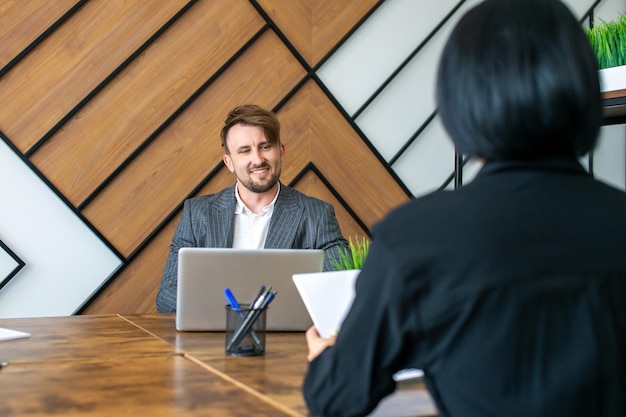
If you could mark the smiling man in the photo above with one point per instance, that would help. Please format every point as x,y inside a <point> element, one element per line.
<point>258,211</point>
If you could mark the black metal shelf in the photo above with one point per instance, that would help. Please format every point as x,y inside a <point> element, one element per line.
<point>614,108</point>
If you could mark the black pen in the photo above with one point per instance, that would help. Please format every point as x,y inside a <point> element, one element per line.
<point>258,294</point>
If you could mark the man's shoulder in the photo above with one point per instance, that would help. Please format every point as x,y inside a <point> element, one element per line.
<point>209,199</point>
<point>300,198</point>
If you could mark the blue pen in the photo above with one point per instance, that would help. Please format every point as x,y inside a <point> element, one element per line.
<point>268,299</point>
<point>232,300</point>
<point>235,305</point>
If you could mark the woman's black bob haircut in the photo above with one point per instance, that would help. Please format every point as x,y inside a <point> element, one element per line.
<point>518,80</point>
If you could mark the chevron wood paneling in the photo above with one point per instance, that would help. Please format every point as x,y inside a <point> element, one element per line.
<point>119,108</point>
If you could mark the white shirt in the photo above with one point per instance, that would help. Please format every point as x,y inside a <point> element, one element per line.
<point>251,228</point>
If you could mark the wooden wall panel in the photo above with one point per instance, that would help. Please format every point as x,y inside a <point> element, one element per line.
<point>332,20</point>
<point>336,149</point>
<point>311,184</point>
<point>314,27</point>
<point>149,137</point>
<point>119,119</point>
<point>62,71</point>
<point>294,20</point>
<point>18,18</point>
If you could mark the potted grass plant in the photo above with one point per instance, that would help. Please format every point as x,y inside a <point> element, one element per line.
<point>355,256</point>
<point>608,41</point>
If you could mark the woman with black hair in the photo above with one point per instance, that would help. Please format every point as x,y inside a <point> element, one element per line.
<point>510,292</point>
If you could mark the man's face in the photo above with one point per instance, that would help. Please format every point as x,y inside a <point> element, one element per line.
<point>255,161</point>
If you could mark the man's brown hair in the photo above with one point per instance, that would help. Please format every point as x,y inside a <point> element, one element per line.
<point>252,115</point>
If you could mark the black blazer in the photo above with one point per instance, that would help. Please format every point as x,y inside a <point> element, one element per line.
<point>510,294</point>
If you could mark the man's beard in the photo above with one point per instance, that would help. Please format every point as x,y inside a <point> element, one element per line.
<point>262,187</point>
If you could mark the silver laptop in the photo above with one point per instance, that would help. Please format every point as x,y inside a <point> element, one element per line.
<point>204,273</point>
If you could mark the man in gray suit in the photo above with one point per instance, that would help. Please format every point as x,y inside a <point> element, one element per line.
<point>258,211</point>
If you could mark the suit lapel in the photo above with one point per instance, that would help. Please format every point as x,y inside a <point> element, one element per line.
<point>224,209</point>
<point>285,220</point>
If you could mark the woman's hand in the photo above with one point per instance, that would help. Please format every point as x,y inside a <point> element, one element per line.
<point>316,343</point>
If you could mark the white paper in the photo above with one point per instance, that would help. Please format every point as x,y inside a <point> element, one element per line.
<point>8,334</point>
<point>328,297</point>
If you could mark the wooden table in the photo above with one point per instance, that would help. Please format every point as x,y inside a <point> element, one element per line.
<point>139,364</point>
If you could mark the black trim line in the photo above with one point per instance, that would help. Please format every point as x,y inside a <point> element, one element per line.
<point>348,35</point>
<point>311,167</point>
<point>17,259</point>
<point>407,60</point>
<point>412,139</point>
<point>42,37</point>
<point>61,196</point>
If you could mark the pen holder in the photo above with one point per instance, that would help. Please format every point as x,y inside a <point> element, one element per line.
<point>245,331</point>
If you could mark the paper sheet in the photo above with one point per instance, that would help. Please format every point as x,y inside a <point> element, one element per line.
<point>8,334</point>
<point>328,297</point>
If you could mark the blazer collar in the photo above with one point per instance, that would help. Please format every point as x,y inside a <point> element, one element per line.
<point>285,220</point>
<point>224,209</point>
<point>561,163</point>
<point>283,225</point>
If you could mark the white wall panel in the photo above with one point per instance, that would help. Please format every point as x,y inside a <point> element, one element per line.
<point>65,261</point>
<point>399,111</point>
<point>405,104</point>
<point>428,162</point>
<point>367,59</point>
<point>609,157</point>
<point>376,50</point>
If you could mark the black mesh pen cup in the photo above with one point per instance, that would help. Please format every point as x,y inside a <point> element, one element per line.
<point>245,331</point>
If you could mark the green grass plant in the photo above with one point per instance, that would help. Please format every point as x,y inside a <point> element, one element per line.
<point>354,258</point>
<point>608,41</point>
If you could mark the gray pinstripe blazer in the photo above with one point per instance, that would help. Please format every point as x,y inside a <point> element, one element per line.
<point>298,222</point>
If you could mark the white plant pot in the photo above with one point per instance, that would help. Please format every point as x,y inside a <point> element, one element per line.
<point>612,79</point>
